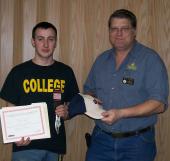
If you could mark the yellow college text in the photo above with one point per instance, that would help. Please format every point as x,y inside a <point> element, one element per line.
<point>43,85</point>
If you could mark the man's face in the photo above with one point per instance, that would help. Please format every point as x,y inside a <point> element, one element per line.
<point>44,42</point>
<point>121,34</point>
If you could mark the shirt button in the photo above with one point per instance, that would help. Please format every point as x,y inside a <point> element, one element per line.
<point>113,88</point>
<point>124,81</point>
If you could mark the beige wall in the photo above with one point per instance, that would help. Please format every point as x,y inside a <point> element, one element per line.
<point>83,34</point>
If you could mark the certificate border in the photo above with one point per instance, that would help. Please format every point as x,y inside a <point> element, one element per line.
<point>44,125</point>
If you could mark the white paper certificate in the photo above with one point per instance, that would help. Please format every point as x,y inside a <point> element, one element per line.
<point>25,121</point>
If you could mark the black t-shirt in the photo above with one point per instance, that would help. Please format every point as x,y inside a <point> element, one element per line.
<point>30,83</point>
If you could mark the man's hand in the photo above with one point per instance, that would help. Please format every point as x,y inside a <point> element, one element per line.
<point>23,142</point>
<point>97,101</point>
<point>111,116</point>
<point>62,111</point>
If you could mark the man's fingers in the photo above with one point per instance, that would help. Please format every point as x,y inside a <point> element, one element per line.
<point>23,142</point>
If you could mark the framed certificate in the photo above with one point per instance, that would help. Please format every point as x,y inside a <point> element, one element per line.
<point>25,121</point>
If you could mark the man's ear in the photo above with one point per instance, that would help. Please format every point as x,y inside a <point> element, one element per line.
<point>33,42</point>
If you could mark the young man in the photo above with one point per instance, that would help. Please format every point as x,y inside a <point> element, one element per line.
<point>35,81</point>
<point>131,82</point>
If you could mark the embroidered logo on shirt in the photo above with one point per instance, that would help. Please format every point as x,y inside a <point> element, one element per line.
<point>132,66</point>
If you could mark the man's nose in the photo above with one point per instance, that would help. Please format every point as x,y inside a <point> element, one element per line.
<point>45,43</point>
<point>119,31</point>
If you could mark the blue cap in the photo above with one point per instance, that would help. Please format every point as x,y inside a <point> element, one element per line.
<point>85,104</point>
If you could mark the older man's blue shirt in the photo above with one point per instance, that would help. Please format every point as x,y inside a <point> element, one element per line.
<point>141,77</point>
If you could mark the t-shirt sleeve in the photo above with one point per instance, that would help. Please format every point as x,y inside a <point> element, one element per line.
<point>9,90</point>
<point>72,86</point>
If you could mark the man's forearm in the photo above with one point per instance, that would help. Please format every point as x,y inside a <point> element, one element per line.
<point>145,109</point>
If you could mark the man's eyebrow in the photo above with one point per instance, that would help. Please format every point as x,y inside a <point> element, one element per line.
<point>39,36</point>
<point>51,36</point>
<point>44,36</point>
